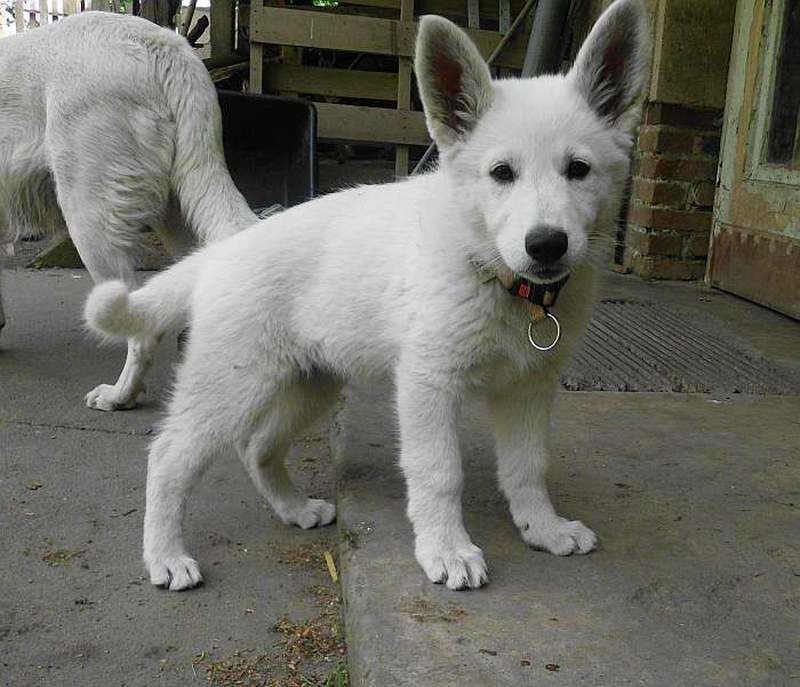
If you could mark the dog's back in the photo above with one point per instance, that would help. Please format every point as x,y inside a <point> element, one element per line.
<point>109,125</point>
<point>69,93</point>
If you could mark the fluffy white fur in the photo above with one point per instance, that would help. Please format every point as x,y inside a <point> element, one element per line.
<point>109,124</point>
<point>377,281</point>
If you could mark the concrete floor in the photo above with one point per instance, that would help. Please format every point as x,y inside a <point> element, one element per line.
<point>695,498</point>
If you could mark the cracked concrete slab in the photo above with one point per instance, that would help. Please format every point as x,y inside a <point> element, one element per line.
<point>695,497</point>
<point>696,501</point>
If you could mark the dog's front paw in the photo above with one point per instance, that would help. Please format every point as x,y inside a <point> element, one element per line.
<point>559,536</point>
<point>308,514</point>
<point>459,566</point>
<point>174,572</point>
<point>106,397</point>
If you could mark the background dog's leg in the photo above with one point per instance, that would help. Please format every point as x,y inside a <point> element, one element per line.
<point>431,462</point>
<point>178,238</point>
<point>264,454</point>
<point>521,420</point>
<point>107,198</point>
<point>106,261</point>
<point>123,394</point>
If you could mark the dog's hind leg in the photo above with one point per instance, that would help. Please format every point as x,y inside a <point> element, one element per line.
<point>107,198</point>
<point>264,452</point>
<point>106,261</point>
<point>173,231</point>
<point>521,422</point>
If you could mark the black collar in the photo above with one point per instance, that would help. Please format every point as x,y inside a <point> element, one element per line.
<point>540,296</point>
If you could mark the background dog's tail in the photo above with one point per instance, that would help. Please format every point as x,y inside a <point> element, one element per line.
<point>209,200</point>
<point>114,312</point>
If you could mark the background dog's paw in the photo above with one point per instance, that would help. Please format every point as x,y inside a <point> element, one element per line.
<point>460,567</point>
<point>175,573</point>
<point>311,513</point>
<point>105,397</point>
<point>561,537</point>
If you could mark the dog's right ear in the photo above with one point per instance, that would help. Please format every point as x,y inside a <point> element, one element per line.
<point>611,68</point>
<point>454,81</point>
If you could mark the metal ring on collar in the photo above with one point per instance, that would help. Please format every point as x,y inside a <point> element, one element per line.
<point>555,341</point>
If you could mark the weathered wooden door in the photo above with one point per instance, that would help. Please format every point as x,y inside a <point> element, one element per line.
<point>755,245</point>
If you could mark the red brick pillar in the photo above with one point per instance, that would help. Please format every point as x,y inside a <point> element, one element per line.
<point>674,177</point>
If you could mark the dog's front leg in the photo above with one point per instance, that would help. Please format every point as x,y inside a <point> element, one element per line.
<point>521,422</point>
<point>431,462</point>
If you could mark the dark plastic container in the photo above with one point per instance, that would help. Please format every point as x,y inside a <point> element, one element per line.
<point>270,147</point>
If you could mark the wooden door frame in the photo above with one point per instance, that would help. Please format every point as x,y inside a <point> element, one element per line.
<point>755,240</point>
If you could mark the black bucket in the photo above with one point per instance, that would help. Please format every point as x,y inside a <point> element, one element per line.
<point>270,147</point>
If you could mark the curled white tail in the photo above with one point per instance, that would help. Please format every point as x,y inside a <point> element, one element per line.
<point>115,312</point>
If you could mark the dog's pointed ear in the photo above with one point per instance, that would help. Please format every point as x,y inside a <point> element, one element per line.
<point>454,81</point>
<point>612,66</point>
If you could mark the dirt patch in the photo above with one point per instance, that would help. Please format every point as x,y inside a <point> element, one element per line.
<point>308,554</point>
<point>424,611</point>
<point>60,557</point>
<point>305,653</point>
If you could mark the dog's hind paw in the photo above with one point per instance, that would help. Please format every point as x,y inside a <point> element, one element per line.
<point>312,513</point>
<point>106,397</point>
<point>457,567</point>
<point>561,537</point>
<point>175,573</point>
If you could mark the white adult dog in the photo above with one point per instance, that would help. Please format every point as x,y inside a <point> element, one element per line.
<point>110,124</point>
<point>383,280</point>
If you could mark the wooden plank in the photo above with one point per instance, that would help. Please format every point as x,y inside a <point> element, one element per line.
<point>344,83</point>
<point>370,124</point>
<point>504,19</point>
<point>19,15</point>
<point>256,82</point>
<point>403,91</point>
<point>456,9</point>
<point>473,14</point>
<point>383,4</point>
<point>283,26</point>
<point>222,28</point>
<point>161,12</point>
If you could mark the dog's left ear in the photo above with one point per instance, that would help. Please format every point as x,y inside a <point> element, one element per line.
<point>612,66</point>
<point>454,81</point>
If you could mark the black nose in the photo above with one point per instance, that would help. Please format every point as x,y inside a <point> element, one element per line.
<point>546,244</point>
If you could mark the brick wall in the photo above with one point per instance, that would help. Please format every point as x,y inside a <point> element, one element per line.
<point>674,173</point>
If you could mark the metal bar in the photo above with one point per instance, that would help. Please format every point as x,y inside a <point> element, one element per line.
<point>543,47</point>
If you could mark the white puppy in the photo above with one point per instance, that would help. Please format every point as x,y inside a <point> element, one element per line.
<point>110,124</point>
<point>383,280</point>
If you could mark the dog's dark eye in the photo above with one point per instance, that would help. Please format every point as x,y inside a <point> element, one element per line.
<point>502,173</point>
<point>577,169</point>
